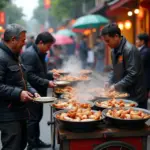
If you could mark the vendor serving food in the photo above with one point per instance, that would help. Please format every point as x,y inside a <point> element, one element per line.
<point>127,74</point>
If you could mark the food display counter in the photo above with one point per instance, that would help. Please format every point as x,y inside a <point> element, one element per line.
<point>122,128</point>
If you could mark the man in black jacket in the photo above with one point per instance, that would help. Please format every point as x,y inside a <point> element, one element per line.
<point>83,51</point>
<point>142,44</point>
<point>127,74</point>
<point>34,61</point>
<point>30,41</point>
<point>15,92</point>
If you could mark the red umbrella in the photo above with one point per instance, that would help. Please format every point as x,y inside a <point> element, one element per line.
<point>62,40</point>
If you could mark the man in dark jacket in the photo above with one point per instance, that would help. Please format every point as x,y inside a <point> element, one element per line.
<point>30,41</point>
<point>99,54</point>
<point>34,61</point>
<point>15,92</point>
<point>142,44</point>
<point>83,51</point>
<point>127,74</point>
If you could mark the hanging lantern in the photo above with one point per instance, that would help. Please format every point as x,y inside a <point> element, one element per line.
<point>130,13</point>
<point>137,11</point>
<point>94,30</point>
<point>121,25</point>
<point>128,24</point>
<point>47,4</point>
<point>87,32</point>
<point>2,18</point>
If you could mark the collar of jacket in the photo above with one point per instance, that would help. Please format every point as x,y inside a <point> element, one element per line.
<point>142,47</point>
<point>41,55</point>
<point>9,51</point>
<point>120,48</point>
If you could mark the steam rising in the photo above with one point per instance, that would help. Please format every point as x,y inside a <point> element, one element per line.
<point>73,65</point>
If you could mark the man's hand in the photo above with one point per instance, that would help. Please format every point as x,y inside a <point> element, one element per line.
<point>51,84</point>
<point>36,95</point>
<point>112,88</point>
<point>26,96</point>
<point>56,75</point>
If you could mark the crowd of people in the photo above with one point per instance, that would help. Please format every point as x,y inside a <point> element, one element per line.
<point>24,75</point>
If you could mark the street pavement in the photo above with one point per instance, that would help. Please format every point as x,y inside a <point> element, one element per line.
<point>45,129</point>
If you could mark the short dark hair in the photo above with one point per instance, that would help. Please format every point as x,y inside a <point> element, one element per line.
<point>45,37</point>
<point>144,37</point>
<point>111,30</point>
<point>13,30</point>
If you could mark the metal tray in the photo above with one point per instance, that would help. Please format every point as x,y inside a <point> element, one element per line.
<point>62,83</point>
<point>126,123</point>
<point>44,99</point>
<point>78,126</point>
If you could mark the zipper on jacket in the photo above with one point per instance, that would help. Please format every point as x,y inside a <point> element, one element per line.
<point>22,77</point>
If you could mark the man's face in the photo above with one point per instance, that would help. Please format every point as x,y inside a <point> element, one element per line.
<point>113,42</point>
<point>139,42</point>
<point>17,44</point>
<point>45,47</point>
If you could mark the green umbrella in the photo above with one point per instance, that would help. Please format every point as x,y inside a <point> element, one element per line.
<point>90,21</point>
<point>66,32</point>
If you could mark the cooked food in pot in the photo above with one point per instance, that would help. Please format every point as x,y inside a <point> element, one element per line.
<point>74,78</point>
<point>58,71</point>
<point>101,92</point>
<point>85,71</point>
<point>80,115</point>
<point>67,89</point>
<point>127,114</point>
<point>114,103</point>
<point>71,104</point>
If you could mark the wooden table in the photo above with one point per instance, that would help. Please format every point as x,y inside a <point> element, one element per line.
<point>89,140</point>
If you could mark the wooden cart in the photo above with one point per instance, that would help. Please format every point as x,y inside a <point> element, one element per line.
<point>103,138</point>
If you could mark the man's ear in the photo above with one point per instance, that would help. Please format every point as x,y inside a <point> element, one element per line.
<point>143,42</point>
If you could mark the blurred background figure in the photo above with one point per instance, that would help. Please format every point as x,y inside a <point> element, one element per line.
<point>142,45</point>
<point>90,59</point>
<point>99,50</point>
<point>71,47</point>
<point>83,51</point>
<point>30,41</point>
<point>54,57</point>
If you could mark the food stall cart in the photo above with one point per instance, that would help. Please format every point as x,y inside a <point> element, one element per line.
<point>104,138</point>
